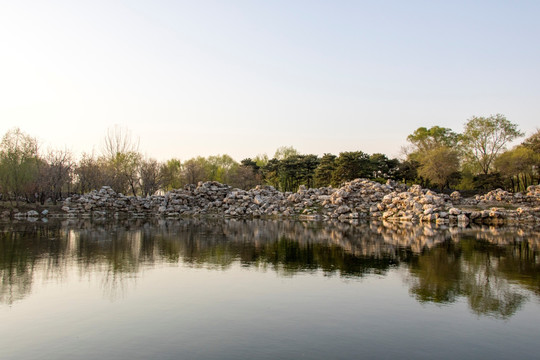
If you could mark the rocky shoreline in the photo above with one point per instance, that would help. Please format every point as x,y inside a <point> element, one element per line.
<point>355,200</point>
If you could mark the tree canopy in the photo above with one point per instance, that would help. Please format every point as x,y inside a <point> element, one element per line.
<point>486,137</point>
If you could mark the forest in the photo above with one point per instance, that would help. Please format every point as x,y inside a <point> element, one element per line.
<point>476,160</point>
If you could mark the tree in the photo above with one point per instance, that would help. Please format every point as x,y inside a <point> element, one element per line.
<point>219,167</point>
<point>248,162</point>
<point>285,152</point>
<point>270,172</point>
<point>533,143</point>
<point>407,171</point>
<point>424,139</point>
<point>195,170</point>
<point>261,160</point>
<point>308,165</point>
<point>351,165</point>
<point>18,164</point>
<point>382,167</point>
<point>438,165</point>
<point>55,175</point>
<point>517,167</point>
<point>297,170</point>
<point>121,153</point>
<point>89,174</point>
<point>123,173</point>
<point>171,174</point>
<point>485,137</point>
<point>119,140</point>
<point>325,170</point>
<point>150,176</point>
<point>243,177</point>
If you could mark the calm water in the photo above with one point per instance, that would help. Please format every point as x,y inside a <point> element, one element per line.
<point>218,289</point>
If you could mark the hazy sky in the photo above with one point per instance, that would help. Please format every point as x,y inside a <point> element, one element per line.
<point>245,77</point>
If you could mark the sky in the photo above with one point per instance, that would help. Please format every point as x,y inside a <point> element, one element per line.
<point>190,78</point>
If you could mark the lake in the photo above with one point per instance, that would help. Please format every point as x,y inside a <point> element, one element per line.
<point>234,289</point>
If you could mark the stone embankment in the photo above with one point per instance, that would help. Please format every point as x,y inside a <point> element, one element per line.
<point>358,199</point>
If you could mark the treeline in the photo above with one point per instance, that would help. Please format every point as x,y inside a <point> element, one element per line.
<point>436,157</point>
<point>476,159</point>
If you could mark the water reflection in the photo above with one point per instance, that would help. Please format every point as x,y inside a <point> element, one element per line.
<point>495,269</point>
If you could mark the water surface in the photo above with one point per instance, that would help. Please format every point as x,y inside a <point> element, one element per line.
<point>228,289</point>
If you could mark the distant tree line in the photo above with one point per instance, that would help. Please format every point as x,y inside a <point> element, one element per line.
<point>436,157</point>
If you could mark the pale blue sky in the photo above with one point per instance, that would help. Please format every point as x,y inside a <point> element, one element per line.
<point>245,77</point>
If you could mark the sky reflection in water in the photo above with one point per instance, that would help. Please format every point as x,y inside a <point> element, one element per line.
<point>232,289</point>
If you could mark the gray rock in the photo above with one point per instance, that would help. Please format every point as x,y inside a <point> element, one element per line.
<point>32,213</point>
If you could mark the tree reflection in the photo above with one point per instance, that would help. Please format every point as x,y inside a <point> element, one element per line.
<point>492,268</point>
<point>469,268</point>
<point>22,253</point>
<point>437,274</point>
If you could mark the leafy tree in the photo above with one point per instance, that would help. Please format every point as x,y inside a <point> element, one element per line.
<point>438,165</point>
<point>261,160</point>
<point>195,170</point>
<point>285,152</point>
<point>122,172</point>
<point>517,167</point>
<point>533,143</point>
<point>18,164</point>
<point>220,166</point>
<point>171,174</point>
<point>485,137</point>
<point>424,139</point>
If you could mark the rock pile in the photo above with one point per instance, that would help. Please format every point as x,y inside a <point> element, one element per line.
<point>532,196</point>
<point>106,202</point>
<point>356,199</point>
<point>533,191</point>
<point>415,204</point>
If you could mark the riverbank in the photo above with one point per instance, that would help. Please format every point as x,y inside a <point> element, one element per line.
<point>355,200</point>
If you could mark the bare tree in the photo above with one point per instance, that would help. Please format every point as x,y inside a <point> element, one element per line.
<point>121,154</point>
<point>119,141</point>
<point>89,174</point>
<point>55,174</point>
<point>150,176</point>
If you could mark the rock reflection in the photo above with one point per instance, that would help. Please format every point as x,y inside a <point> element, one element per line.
<point>495,269</point>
